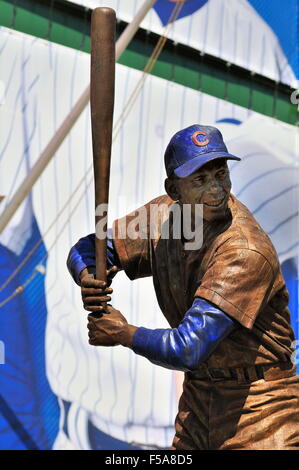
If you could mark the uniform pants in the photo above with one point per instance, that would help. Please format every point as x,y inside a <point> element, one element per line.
<point>228,415</point>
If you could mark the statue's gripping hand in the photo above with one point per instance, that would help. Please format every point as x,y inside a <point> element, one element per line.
<point>110,329</point>
<point>94,294</point>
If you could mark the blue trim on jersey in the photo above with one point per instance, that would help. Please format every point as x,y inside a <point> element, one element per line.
<point>185,347</point>
<point>82,254</point>
<point>230,121</point>
<point>164,9</point>
<point>29,411</point>
<point>283,19</point>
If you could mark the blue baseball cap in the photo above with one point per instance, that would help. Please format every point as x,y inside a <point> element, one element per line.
<point>190,148</point>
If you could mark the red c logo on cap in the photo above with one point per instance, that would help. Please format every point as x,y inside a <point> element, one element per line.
<point>198,142</point>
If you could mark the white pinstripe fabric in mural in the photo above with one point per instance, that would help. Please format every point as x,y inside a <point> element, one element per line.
<point>123,395</point>
<point>234,30</point>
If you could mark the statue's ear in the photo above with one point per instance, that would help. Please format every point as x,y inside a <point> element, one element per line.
<point>171,187</point>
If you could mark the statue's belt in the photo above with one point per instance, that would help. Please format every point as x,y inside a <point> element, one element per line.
<point>247,374</point>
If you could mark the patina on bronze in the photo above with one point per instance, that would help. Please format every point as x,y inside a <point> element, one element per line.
<point>245,395</point>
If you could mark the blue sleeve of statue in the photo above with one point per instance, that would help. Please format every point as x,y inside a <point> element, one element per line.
<point>82,254</point>
<point>185,347</point>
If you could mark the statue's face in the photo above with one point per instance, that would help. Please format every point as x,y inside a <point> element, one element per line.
<point>209,186</point>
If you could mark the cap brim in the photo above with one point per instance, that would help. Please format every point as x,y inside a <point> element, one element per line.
<point>197,162</point>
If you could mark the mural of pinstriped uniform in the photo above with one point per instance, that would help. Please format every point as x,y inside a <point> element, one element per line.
<point>254,34</point>
<point>56,390</point>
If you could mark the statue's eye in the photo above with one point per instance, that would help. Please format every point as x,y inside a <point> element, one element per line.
<point>200,179</point>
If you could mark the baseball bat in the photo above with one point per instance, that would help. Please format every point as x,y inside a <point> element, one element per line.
<point>102,81</point>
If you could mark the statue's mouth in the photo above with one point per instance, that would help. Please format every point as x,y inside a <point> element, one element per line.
<point>217,203</point>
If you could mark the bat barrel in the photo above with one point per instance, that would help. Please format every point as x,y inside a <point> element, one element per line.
<point>102,81</point>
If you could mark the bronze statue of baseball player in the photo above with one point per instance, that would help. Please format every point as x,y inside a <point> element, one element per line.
<point>226,303</point>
